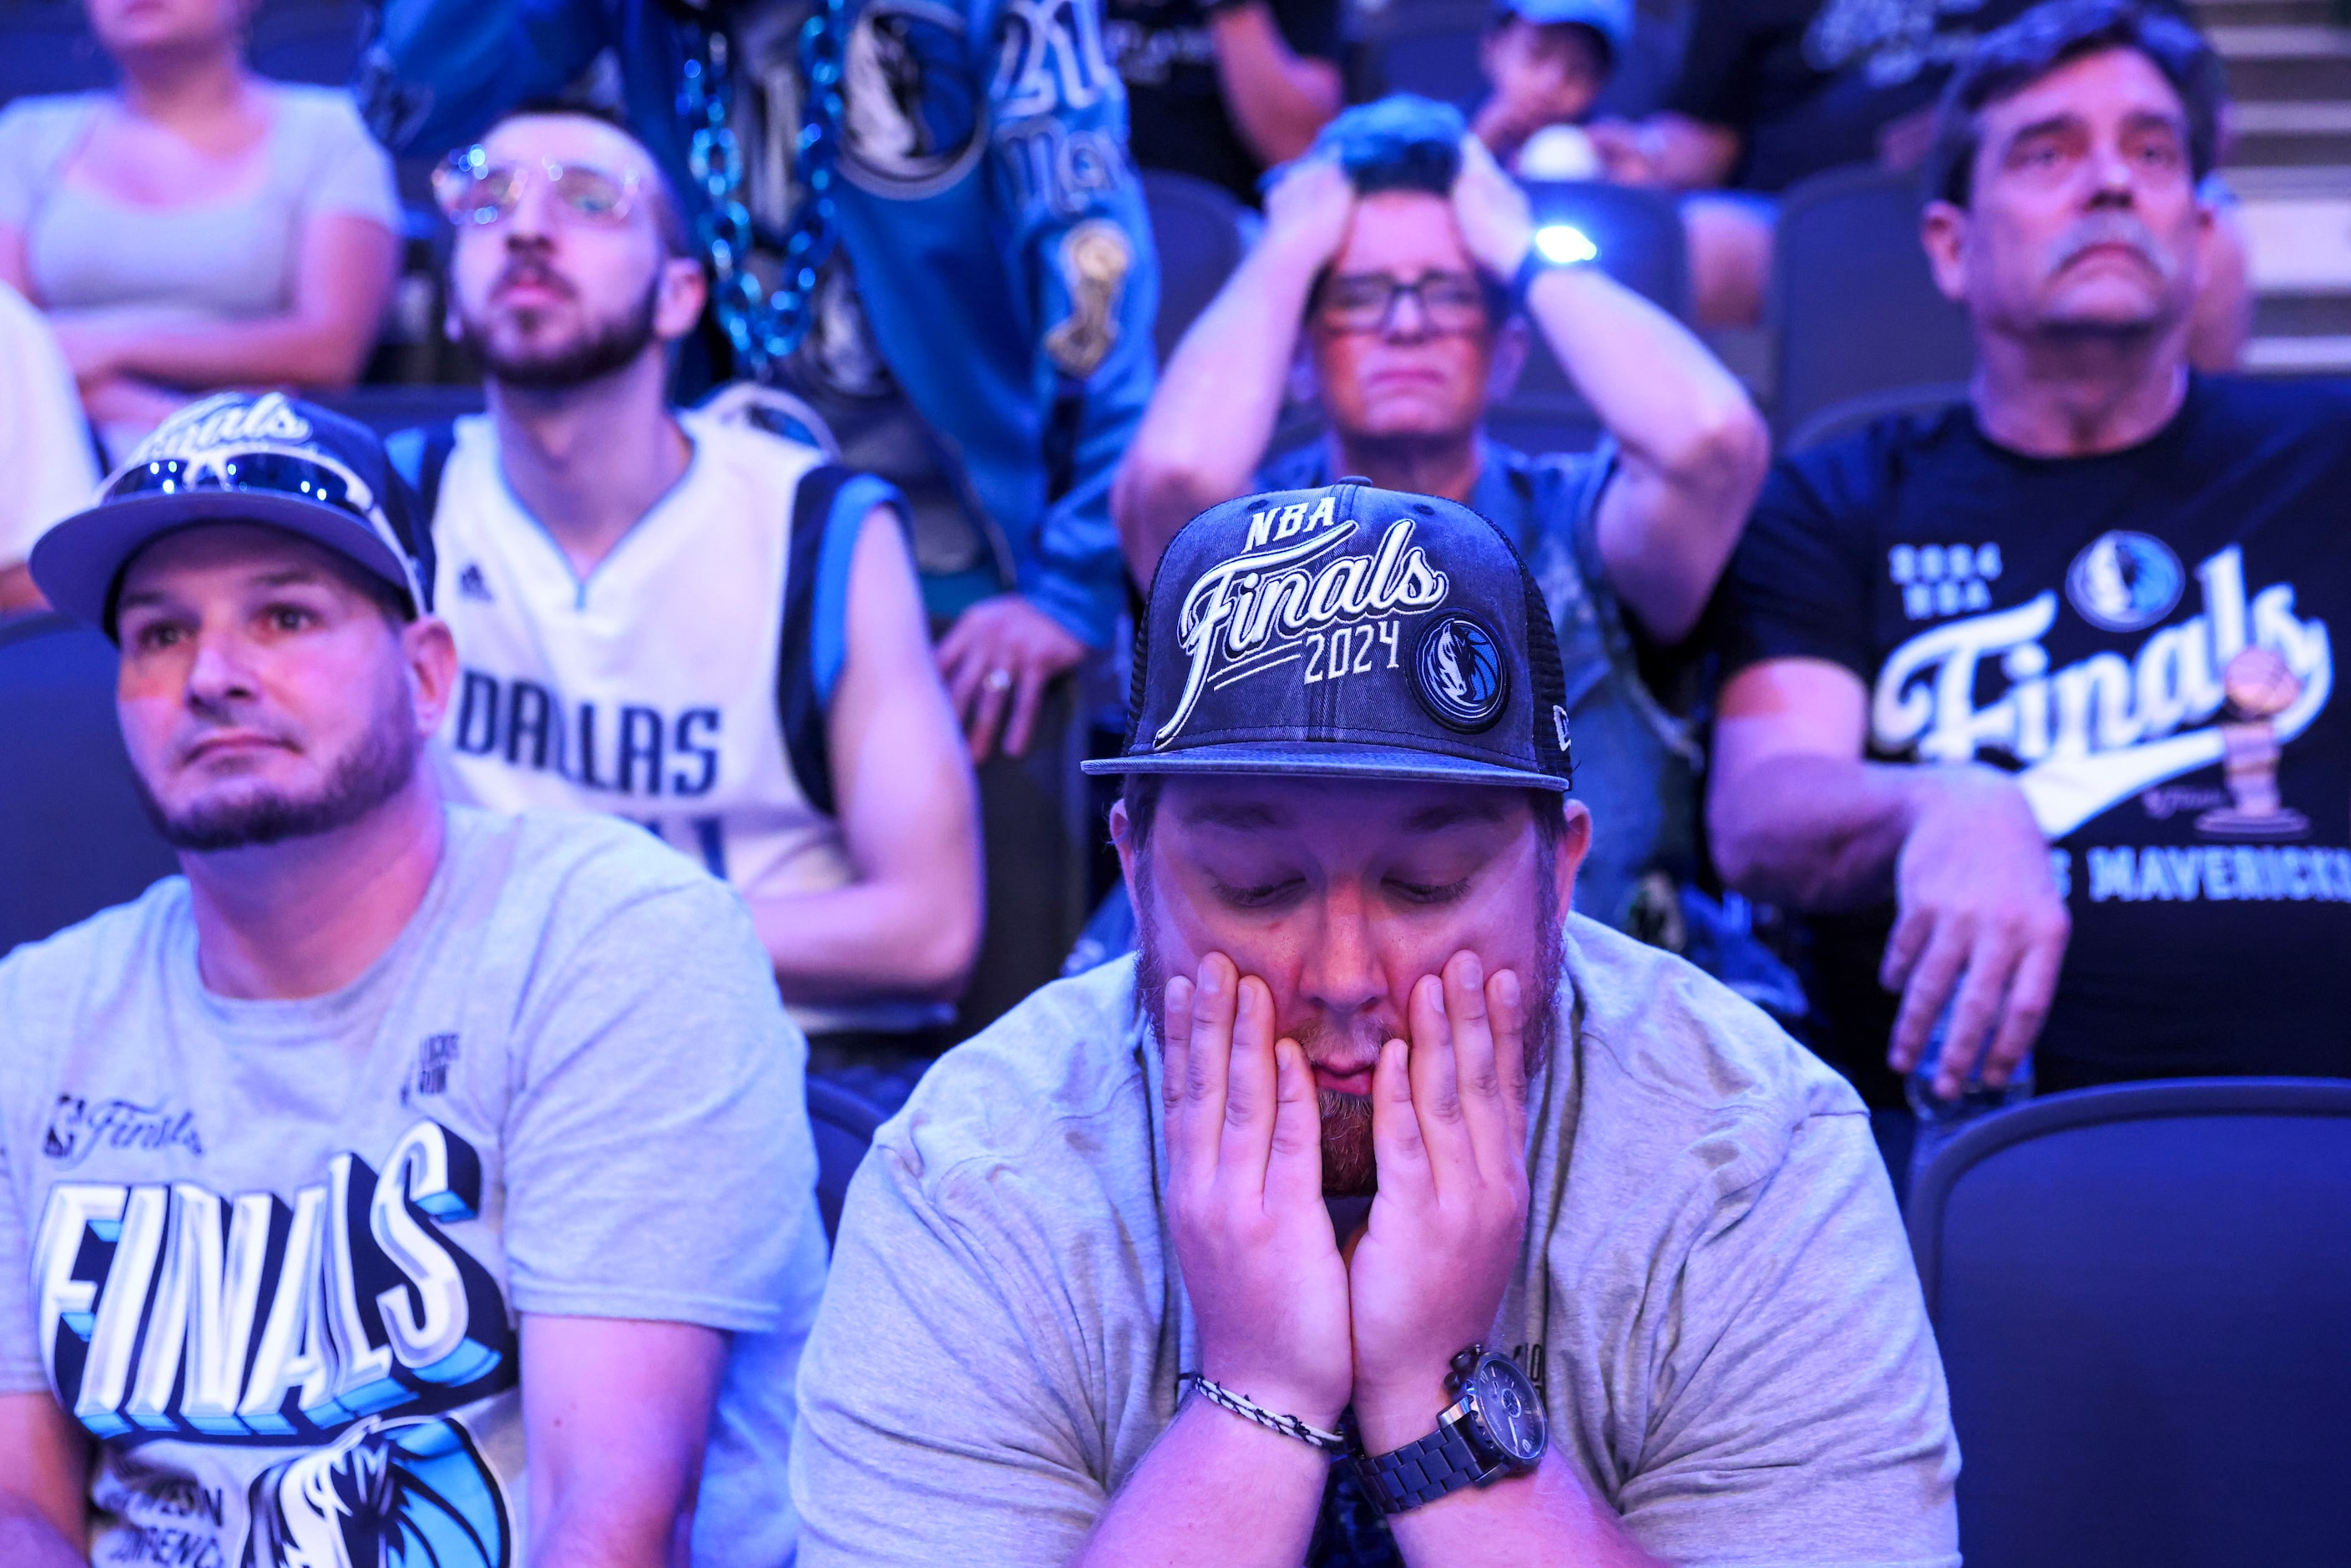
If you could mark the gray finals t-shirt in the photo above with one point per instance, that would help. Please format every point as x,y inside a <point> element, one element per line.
<point>1715,1293</point>
<point>272,1253</point>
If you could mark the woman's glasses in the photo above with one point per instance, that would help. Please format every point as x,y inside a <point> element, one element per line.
<point>1366,301</point>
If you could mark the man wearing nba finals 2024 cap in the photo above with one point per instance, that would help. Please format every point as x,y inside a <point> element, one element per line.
<point>395,1147</point>
<point>1377,1210</point>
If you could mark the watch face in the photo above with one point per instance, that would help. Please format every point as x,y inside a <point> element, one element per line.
<point>1510,1409</point>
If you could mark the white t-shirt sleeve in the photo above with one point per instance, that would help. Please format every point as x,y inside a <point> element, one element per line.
<point>1798,1413</point>
<point>349,172</point>
<point>43,440</point>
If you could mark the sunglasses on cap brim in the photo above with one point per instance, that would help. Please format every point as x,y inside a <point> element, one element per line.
<point>263,470</point>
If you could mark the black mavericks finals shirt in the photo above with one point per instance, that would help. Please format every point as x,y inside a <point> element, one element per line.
<point>2145,639</point>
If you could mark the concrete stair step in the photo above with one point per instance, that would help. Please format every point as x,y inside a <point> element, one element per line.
<point>2298,357</point>
<point>2285,62</point>
<point>2303,315</point>
<point>2303,134</point>
<point>2298,245</point>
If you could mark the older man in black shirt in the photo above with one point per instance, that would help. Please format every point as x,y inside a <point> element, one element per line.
<point>2058,659</point>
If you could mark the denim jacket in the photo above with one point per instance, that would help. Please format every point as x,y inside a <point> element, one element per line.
<point>987,205</point>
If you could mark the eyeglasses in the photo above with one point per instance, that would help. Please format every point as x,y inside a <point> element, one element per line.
<point>270,471</point>
<point>1366,301</point>
<point>472,190</point>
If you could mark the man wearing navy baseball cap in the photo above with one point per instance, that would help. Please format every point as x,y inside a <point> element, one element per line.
<point>314,1159</point>
<point>1375,1211</point>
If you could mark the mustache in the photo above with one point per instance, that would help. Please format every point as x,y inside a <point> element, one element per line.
<point>193,737</point>
<point>2113,228</point>
<point>534,271</point>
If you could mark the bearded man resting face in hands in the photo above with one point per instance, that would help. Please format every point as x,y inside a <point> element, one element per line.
<point>1629,1284</point>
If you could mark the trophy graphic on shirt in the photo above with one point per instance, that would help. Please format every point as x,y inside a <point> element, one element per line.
<point>2259,687</point>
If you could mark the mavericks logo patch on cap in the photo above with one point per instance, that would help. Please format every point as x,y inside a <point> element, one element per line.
<point>1459,675</point>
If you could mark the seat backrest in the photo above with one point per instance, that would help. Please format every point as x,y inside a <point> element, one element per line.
<point>1427,46</point>
<point>2141,1293</point>
<point>1636,231</point>
<point>73,837</point>
<point>843,1125</point>
<point>1853,302</point>
<point>1854,415</point>
<point>1638,237</point>
<point>384,409</point>
<point>1200,232</point>
<point>45,46</point>
<point>314,41</point>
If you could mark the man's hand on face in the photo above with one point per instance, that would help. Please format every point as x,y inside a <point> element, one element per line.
<point>1449,1134</point>
<point>1245,1198</point>
<point>1497,224</point>
<point>998,659</point>
<point>1306,212</point>
<point>1979,919</point>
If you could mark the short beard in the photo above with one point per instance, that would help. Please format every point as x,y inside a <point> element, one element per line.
<point>1349,1166</point>
<point>374,770</point>
<point>611,347</point>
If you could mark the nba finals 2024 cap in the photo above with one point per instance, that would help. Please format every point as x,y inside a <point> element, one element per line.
<point>1347,633</point>
<point>249,458</point>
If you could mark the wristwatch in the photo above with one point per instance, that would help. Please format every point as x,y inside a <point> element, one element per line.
<point>1495,1427</point>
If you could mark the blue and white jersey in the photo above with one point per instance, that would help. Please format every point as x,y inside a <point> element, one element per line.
<point>993,222</point>
<point>682,683</point>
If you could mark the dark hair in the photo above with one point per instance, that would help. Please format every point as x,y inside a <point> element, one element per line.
<point>1588,37</point>
<point>1400,143</point>
<point>668,212</point>
<point>1141,794</point>
<point>2011,58</point>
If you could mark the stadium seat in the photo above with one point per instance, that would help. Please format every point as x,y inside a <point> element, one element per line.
<point>47,46</point>
<point>1636,234</point>
<point>1427,46</point>
<point>2141,1294</point>
<point>843,1125</point>
<point>73,837</point>
<point>390,407</point>
<point>1638,240</point>
<point>1853,303</point>
<point>1854,415</point>
<point>315,41</point>
<point>1201,233</point>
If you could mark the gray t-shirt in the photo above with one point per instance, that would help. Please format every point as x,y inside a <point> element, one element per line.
<point>1715,1293</point>
<point>233,258</point>
<point>272,1253</point>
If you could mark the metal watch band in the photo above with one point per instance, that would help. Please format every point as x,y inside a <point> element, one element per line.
<point>1249,1409</point>
<point>1420,1472</point>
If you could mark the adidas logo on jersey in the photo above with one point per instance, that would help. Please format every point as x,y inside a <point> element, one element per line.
<point>473,585</point>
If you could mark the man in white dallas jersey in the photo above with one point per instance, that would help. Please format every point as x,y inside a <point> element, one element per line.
<point>695,625</point>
